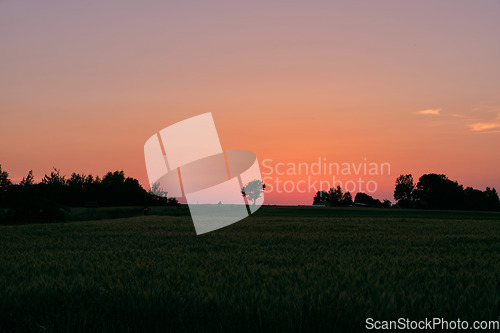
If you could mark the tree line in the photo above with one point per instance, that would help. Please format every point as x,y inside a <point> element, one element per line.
<point>432,191</point>
<point>47,199</point>
<point>437,191</point>
<point>337,198</point>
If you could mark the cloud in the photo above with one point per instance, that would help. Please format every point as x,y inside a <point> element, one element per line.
<point>478,127</point>
<point>434,112</point>
<point>480,119</point>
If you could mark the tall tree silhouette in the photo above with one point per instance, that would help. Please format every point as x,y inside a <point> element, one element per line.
<point>253,190</point>
<point>4,185</point>
<point>404,190</point>
<point>4,180</point>
<point>321,198</point>
<point>335,195</point>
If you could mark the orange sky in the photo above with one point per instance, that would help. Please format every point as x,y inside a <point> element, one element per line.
<point>84,85</point>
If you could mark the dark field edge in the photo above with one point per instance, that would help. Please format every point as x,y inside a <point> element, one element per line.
<point>105,213</point>
<point>290,211</point>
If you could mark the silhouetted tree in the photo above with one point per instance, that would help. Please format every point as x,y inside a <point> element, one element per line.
<point>134,191</point>
<point>436,191</point>
<point>335,196</point>
<point>492,199</point>
<point>5,183</point>
<point>404,190</point>
<point>4,179</point>
<point>54,189</point>
<point>54,179</point>
<point>386,203</point>
<point>367,200</point>
<point>76,189</point>
<point>157,190</point>
<point>111,189</point>
<point>158,196</point>
<point>76,181</point>
<point>347,199</point>
<point>478,200</point>
<point>28,180</point>
<point>475,199</point>
<point>253,190</point>
<point>91,188</point>
<point>48,200</point>
<point>30,202</point>
<point>321,198</point>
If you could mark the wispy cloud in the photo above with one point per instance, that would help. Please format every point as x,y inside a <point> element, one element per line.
<point>480,119</point>
<point>479,127</point>
<point>434,112</point>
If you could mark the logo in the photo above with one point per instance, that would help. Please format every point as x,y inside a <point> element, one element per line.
<point>186,160</point>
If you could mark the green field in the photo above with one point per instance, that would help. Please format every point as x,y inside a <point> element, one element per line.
<point>282,269</point>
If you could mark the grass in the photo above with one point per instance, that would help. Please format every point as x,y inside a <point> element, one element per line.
<point>282,269</point>
<point>102,213</point>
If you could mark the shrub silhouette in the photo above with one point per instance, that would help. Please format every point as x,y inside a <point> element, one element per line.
<point>334,197</point>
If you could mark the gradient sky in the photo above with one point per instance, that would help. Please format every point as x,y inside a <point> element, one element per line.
<point>415,84</point>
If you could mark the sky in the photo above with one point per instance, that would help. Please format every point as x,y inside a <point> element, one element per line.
<point>414,84</point>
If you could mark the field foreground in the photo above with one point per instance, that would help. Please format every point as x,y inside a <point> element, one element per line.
<point>282,269</point>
